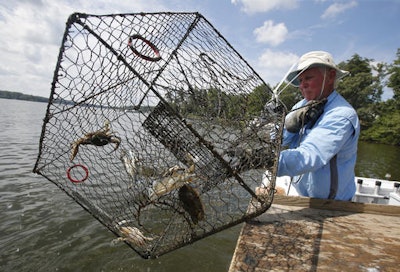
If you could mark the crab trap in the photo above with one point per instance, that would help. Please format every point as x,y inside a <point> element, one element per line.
<point>156,126</point>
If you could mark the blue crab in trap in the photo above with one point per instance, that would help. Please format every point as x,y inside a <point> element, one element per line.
<point>131,234</point>
<point>100,137</point>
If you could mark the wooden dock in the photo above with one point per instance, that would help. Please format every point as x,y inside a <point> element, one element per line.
<point>304,234</point>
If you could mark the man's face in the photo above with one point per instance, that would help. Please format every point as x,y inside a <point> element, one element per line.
<point>311,81</point>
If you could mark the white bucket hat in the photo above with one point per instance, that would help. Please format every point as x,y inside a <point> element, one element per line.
<point>314,59</point>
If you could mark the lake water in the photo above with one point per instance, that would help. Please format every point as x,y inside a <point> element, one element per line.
<point>42,229</point>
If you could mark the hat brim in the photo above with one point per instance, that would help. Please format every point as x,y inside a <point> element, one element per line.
<point>292,77</point>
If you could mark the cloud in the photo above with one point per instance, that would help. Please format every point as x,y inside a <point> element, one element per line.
<point>273,65</point>
<point>333,10</point>
<point>31,35</point>
<point>31,32</point>
<point>270,33</point>
<point>254,6</point>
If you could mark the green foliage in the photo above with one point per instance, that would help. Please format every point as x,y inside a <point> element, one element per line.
<point>362,88</point>
<point>386,129</point>
<point>211,103</point>
<point>381,120</point>
<point>257,100</point>
<point>394,78</point>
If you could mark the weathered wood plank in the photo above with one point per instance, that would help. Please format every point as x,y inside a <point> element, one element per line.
<point>308,235</point>
<point>334,205</point>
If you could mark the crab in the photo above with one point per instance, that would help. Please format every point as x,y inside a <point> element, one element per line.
<point>98,138</point>
<point>131,234</point>
<point>191,203</point>
<point>174,178</point>
<point>134,236</point>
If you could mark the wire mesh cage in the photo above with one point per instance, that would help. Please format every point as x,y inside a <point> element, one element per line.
<point>157,127</point>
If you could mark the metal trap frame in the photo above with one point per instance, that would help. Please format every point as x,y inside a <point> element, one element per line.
<point>156,126</point>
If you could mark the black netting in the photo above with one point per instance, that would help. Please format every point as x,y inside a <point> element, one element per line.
<point>157,127</point>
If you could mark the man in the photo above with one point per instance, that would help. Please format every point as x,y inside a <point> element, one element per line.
<point>321,132</point>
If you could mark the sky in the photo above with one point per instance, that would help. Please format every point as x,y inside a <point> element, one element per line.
<point>269,34</point>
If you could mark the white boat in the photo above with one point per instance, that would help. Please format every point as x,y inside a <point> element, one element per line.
<point>368,190</point>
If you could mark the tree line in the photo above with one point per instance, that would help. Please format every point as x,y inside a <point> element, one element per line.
<point>21,96</point>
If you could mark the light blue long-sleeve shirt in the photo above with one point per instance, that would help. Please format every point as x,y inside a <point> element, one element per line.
<point>310,151</point>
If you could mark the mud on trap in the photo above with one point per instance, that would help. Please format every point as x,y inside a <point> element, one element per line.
<point>156,126</point>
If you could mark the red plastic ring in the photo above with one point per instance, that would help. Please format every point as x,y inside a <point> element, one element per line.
<point>150,44</point>
<point>78,180</point>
